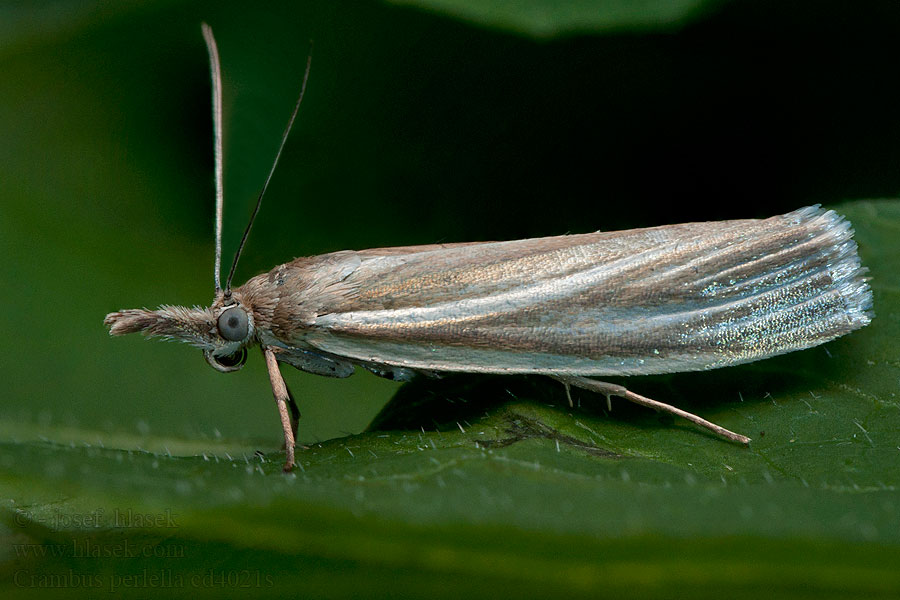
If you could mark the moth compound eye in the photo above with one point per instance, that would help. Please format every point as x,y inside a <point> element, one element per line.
<point>233,324</point>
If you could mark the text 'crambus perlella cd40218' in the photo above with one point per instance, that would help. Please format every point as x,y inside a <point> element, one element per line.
<point>667,299</point>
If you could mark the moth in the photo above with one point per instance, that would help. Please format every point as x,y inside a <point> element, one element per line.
<point>686,297</point>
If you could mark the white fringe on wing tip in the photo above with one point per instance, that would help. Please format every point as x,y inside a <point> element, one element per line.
<point>847,271</point>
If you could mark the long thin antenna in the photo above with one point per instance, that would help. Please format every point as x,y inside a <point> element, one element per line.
<point>284,137</point>
<point>215,73</point>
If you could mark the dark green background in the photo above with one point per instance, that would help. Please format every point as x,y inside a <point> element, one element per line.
<point>443,120</point>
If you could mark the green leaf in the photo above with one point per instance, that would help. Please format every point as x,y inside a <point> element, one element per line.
<point>473,484</point>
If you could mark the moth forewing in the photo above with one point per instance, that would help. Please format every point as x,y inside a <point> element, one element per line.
<point>685,297</point>
<point>659,300</point>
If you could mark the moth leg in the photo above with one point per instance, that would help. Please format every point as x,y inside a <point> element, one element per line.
<point>611,389</point>
<point>569,394</point>
<point>295,411</point>
<point>282,397</point>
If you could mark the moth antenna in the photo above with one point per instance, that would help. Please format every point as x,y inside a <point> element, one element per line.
<point>284,137</point>
<point>215,73</point>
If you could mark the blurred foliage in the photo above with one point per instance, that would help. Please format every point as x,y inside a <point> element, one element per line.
<point>541,18</point>
<point>418,127</point>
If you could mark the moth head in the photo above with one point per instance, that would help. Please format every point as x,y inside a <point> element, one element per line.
<point>222,331</point>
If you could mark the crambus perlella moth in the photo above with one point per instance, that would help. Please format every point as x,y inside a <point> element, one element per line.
<point>685,297</point>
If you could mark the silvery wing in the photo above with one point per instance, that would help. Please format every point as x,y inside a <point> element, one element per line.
<point>664,299</point>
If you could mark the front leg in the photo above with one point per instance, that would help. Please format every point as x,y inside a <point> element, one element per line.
<point>282,398</point>
<point>295,413</point>
<point>611,389</point>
